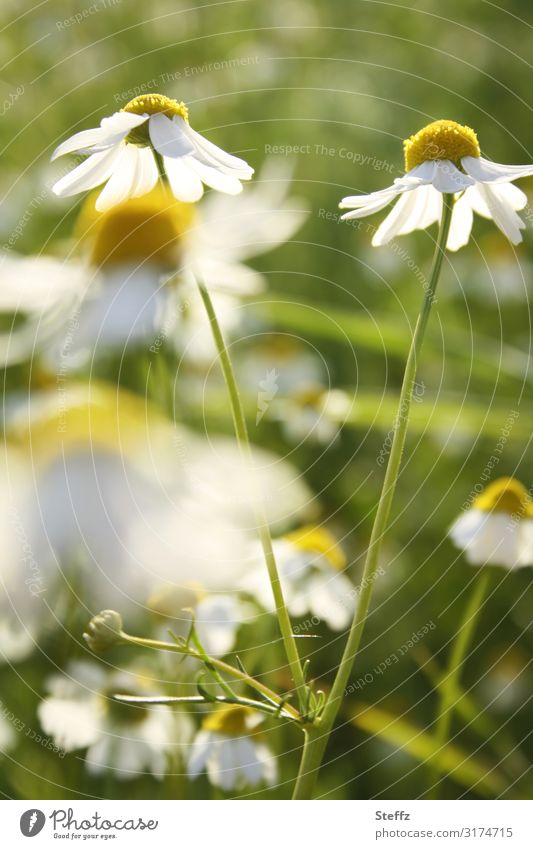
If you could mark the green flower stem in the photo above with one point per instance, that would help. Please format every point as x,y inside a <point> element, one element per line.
<point>221,666</point>
<point>316,738</point>
<point>241,431</point>
<point>449,685</point>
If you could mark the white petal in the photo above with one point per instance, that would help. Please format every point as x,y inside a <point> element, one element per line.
<point>525,545</point>
<point>201,750</point>
<point>120,185</point>
<point>212,155</point>
<point>448,179</point>
<point>397,221</point>
<point>383,197</point>
<point>366,208</point>
<point>502,212</point>
<point>484,171</point>
<point>488,538</point>
<point>514,196</point>
<point>331,598</point>
<point>185,184</point>
<point>97,168</point>
<point>147,173</point>
<point>168,137</point>
<point>110,132</point>
<point>215,178</point>
<point>461,224</point>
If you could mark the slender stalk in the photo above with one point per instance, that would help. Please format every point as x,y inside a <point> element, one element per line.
<point>317,738</point>
<point>450,682</point>
<point>241,431</point>
<point>220,665</point>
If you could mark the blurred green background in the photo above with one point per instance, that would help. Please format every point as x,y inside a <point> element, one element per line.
<point>343,83</point>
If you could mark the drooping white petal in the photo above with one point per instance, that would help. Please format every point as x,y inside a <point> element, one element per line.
<point>215,178</point>
<point>373,200</point>
<point>81,141</point>
<point>184,182</point>
<point>488,538</point>
<point>120,185</point>
<point>364,209</point>
<point>90,173</point>
<point>331,598</point>
<point>147,173</point>
<point>525,543</point>
<point>168,137</point>
<point>210,154</point>
<point>448,179</point>
<point>512,195</point>
<point>484,171</point>
<point>461,224</point>
<point>398,220</point>
<point>200,751</point>
<point>502,212</point>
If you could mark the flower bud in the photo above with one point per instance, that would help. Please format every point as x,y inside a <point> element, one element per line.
<point>104,631</point>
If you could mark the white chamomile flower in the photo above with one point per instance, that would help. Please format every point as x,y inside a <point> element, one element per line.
<point>231,752</point>
<point>311,568</point>
<point>498,528</point>
<point>314,413</point>
<point>445,158</point>
<point>130,740</point>
<point>122,154</point>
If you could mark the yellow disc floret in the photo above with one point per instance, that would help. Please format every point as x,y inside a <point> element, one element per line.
<point>233,720</point>
<point>153,104</point>
<point>149,228</point>
<point>505,495</point>
<point>311,538</point>
<point>440,140</point>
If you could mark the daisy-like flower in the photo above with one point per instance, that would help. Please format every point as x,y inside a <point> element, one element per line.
<point>122,154</point>
<point>129,740</point>
<point>445,158</point>
<point>498,528</point>
<point>230,750</point>
<point>311,566</point>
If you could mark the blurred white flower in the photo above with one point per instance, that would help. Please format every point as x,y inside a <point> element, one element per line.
<point>122,153</point>
<point>313,413</point>
<point>129,740</point>
<point>138,286</point>
<point>445,158</point>
<point>498,528</point>
<point>230,750</point>
<point>37,296</point>
<point>311,567</point>
<point>103,494</point>
<point>217,616</point>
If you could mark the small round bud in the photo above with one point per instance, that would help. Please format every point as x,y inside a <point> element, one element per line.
<point>104,631</point>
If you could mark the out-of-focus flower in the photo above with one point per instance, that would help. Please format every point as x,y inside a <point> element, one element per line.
<point>230,750</point>
<point>129,740</point>
<point>122,154</point>
<point>498,528</point>
<point>147,251</point>
<point>217,616</point>
<point>506,682</point>
<point>444,158</point>
<point>103,493</point>
<point>314,413</point>
<point>311,566</point>
<point>37,295</point>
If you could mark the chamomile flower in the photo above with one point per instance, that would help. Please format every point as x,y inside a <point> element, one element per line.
<point>230,750</point>
<point>445,158</point>
<point>122,154</point>
<point>311,567</point>
<point>129,740</point>
<point>498,528</point>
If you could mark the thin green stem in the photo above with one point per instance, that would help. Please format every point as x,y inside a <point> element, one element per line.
<point>241,432</point>
<point>317,738</point>
<point>449,685</point>
<point>220,665</point>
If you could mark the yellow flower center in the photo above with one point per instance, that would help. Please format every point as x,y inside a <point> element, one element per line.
<point>310,538</point>
<point>153,104</point>
<point>150,228</point>
<point>231,720</point>
<point>505,495</point>
<point>440,140</point>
